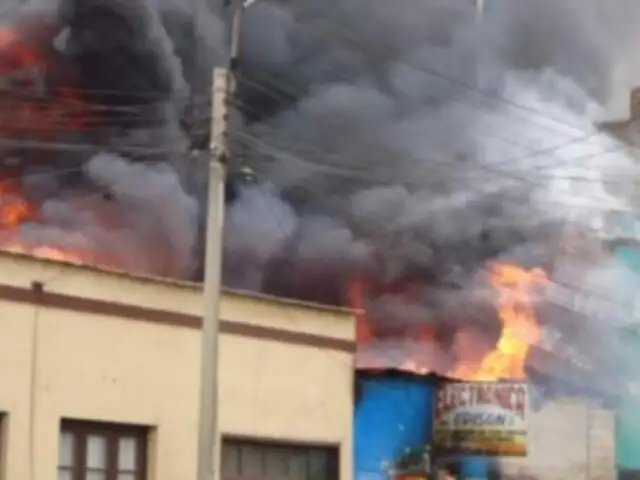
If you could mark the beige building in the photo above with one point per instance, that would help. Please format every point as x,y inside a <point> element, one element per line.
<point>100,379</point>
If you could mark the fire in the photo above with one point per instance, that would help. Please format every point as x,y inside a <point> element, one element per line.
<point>28,112</point>
<point>16,210</point>
<point>27,108</point>
<point>520,328</point>
<point>43,251</point>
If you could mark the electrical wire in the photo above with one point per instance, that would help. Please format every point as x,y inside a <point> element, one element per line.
<point>342,171</point>
<point>500,99</point>
<point>619,147</point>
<point>566,286</point>
<point>85,147</point>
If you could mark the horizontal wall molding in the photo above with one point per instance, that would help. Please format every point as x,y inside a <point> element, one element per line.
<point>39,297</point>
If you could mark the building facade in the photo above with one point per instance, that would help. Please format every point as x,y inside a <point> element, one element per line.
<point>566,437</point>
<point>100,375</point>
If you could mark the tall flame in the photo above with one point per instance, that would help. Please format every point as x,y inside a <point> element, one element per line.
<point>520,328</point>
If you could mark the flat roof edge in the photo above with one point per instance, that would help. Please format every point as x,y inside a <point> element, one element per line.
<point>172,282</point>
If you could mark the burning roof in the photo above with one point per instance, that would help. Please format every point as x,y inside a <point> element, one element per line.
<point>416,149</point>
<point>90,129</point>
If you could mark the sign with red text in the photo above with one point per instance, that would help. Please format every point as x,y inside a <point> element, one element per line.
<point>480,418</point>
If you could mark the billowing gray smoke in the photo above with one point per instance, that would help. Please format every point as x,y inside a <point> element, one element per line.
<point>111,188</point>
<point>431,141</point>
<point>418,143</point>
<point>401,142</point>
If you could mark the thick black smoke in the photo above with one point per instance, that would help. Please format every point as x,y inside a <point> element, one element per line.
<point>406,142</point>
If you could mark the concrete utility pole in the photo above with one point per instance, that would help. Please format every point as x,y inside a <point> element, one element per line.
<point>208,448</point>
<point>223,89</point>
<point>479,10</point>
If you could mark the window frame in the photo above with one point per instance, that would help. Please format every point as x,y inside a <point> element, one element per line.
<point>112,433</point>
<point>267,446</point>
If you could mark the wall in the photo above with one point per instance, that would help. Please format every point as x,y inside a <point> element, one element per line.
<point>393,414</point>
<point>95,345</point>
<point>567,439</point>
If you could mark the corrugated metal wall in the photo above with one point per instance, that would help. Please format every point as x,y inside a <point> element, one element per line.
<point>393,415</point>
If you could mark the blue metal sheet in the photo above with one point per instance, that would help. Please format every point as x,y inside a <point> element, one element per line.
<point>393,415</point>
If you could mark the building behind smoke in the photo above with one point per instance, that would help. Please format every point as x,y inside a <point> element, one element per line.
<point>628,129</point>
<point>100,376</point>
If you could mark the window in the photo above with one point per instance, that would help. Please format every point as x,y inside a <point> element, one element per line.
<point>249,460</point>
<point>101,451</point>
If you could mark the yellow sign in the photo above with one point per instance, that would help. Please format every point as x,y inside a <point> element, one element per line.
<point>481,419</point>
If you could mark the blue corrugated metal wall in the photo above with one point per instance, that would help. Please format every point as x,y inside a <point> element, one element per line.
<point>393,414</point>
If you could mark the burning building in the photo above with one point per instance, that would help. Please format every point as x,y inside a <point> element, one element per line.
<point>98,166</point>
<point>98,118</point>
<point>567,401</point>
<point>430,163</point>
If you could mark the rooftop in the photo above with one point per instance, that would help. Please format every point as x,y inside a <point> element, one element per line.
<point>169,282</point>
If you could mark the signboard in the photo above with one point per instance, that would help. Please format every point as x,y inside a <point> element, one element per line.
<point>481,419</point>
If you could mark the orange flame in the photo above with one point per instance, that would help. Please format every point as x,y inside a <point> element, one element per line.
<point>43,251</point>
<point>25,108</point>
<point>25,67</point>
<point>16,210</point>
<point>520,328</point>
